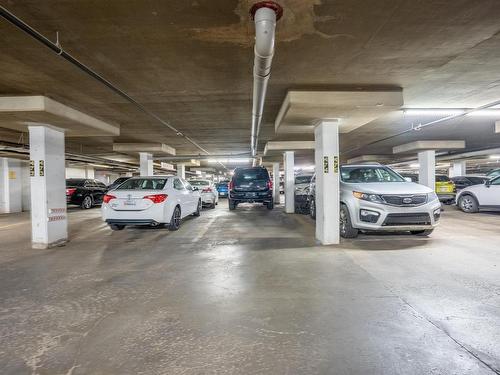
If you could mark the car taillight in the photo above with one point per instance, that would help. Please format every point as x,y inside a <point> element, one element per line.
<point>70,191</point>
<point>156,198</point>
<point>207,190</point>
<point>231,185</point>
<point>107,198</point>
<point>270,184</point>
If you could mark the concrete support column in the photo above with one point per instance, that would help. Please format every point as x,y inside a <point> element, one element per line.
<point>89,172</point>
<point>49,224</point>
<point>276,183</point>
<point>289,162</point>
<point>427,168</point>
<point>146,163</point>
<point>326,157</point>
<point>458,168</point>
<point>10,186</point>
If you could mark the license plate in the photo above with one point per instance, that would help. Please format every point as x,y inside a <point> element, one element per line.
<point>443,190</point>
<point>252,194</point>
<point>129,203</point>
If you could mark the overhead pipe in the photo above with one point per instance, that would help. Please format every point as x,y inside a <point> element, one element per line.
<point>265,14</point>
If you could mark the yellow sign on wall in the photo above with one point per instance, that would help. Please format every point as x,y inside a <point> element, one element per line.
<point>12,175</point>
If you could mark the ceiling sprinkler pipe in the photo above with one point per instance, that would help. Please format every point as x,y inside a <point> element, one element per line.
<point>265,15</point>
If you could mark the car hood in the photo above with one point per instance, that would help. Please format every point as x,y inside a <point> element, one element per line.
<point>387,188</point>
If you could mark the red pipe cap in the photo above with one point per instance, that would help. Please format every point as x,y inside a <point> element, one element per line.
<point>267,4</point>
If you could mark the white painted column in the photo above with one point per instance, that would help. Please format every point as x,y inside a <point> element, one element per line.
<point>427,168</point>
<point>10,185</point>
<point>289,162</point>
<point>89,172</point>
<point>458,168</point>
<point>326,157</point>
<point>276,183</point>
<point>49,224</point>
<point>146,163</point>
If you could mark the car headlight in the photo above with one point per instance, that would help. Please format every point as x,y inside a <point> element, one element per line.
<point>368,197</point>
<point>432,197</point>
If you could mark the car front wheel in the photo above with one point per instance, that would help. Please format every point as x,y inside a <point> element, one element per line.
<point>468,204</point>
<point>198,209</point>
<point>312,209</point>
<point>346,228</point>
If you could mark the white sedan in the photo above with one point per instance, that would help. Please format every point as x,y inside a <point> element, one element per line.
<point>476,197</point>
<point>153,201</point>
<point>209,193</point>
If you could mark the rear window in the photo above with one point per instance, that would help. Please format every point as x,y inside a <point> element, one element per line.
<point>143,184</point>
<point>303,179</point>
<point>251,174</point>
<point>442,178</point>
<point>199,183</point>
<point>477,180</point>
<point>75,182</point>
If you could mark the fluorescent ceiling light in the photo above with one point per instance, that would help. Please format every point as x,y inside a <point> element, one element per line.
<point>229,160</point>
<point>485,112</point>
<point>450,112</point>
<point>414,165</point>
<point>494,156</point>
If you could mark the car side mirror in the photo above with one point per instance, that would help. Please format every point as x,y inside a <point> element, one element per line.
<point>487,183</point>
<point>195,188</point>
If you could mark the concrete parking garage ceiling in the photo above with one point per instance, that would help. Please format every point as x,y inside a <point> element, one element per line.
<point>191,63</point>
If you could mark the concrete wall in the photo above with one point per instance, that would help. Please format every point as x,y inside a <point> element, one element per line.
<point>10,185</point>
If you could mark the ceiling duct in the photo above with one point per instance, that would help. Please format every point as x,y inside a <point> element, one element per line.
<point>265,14</point>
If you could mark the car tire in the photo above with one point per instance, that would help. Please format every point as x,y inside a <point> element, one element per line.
<point>270,205</point>
<point>175,221</point>
<point>345,225</point>
<point>198,209</point>
<point>212,206</point>
<point>87,202</point>
<point>312,209</point>
<point>117,227</point>
<point>423,233</point>
<point>468,204</point>
<point>232,205</point>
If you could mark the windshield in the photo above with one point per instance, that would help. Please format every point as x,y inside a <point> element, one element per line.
<point>75,182</point>
<point>143,184</point>
<point>367,174</point>
<point>199,183</point>
<point>303,179</point>
<point>442,178</point>
<point>251,174</point>
<point>493,173</point>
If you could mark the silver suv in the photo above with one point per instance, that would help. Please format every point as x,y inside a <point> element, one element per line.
<point>373,197</point>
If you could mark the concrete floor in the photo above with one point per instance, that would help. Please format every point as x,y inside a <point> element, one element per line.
<point>248,292</point>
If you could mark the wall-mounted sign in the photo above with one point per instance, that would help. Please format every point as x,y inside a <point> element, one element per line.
<point>41,168</point>
<point>325,164</point>
<point>12,175</point>
<point>335,164</point>
<point>32,168</point>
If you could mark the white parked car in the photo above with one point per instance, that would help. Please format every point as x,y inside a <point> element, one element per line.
<point>208,190</point>
<point>476,197</point>
<point>153,201</point>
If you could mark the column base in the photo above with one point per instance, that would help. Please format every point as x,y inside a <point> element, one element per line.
<point>43,246</point>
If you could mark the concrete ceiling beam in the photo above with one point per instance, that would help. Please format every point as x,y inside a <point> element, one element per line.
<point>17,112</point>
<point>428,145</point>
<point>280,146</point>
<point>154,148</point>
<point>369,158</point>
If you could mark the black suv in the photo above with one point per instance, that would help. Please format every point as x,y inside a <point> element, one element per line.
<point>251,185</point>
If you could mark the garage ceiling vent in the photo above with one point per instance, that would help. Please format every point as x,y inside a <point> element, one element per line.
<point>265,14</point>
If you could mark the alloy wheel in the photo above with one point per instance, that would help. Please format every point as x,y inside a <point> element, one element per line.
<point>466,203</point>
<point>177,217</point>
<point>87,202</point>
<point>342,221</point>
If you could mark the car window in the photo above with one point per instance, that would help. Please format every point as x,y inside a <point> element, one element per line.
<point>187,185</point>
<point>442,178</point>
<point>100,184</point>
<point>75,182</point>
<point>178,185</point>
<point>143,184</point>
<point>250,174</point>
<point>477,180</point>
<point>495,181</point>
<point>89,183</point>
<point>303,179</point>
<point>199,183</point>
<point>369,175</point>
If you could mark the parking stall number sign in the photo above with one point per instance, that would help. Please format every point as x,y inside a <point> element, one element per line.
<point>325,164</point>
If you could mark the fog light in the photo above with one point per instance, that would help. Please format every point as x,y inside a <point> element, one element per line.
<point>369,216</point>
<point>437,214</point>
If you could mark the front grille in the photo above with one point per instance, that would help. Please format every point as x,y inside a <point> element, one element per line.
<point>407,219</point>
<point>405,200</point>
